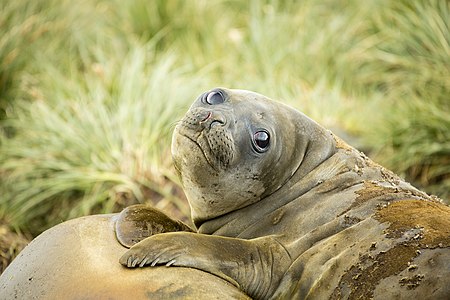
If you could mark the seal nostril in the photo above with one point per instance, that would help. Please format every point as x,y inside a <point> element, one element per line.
<point>205,118</point>
<point>215,123</point>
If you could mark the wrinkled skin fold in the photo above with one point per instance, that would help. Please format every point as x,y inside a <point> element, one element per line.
<point>285,209</point>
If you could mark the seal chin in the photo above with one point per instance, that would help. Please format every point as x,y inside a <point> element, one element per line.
<point>200,146</point>
<point>215,144</point>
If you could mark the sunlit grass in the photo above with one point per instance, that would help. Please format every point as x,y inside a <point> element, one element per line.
<point>414,136</point>
<point>85,142</point>
<point>47,32</point>
<point>413,139</point>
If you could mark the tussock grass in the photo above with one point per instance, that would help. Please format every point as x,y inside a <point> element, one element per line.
<point>44,32</point>
<point>87,144</point>
<point>90,91</point>
<point>416,147</point>
<point>11,243</point>
<point>413,138</point>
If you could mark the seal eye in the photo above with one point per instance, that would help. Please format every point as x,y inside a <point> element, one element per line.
<point>261,140</point>
<point>214,98</point>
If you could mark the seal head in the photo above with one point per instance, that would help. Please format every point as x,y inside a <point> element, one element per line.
<point>231,150</point>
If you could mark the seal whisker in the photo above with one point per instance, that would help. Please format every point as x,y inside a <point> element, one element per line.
<point>173,124</point>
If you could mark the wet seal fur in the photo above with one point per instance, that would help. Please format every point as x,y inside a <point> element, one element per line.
<point>285,209</point>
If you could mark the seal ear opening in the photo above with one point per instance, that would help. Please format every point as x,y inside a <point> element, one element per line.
<point>137,222</point>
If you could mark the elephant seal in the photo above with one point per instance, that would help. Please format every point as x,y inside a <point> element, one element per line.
<point>285,209</point>
<point>77,259</point>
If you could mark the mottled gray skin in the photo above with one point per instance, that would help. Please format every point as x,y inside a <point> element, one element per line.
<point>78,260</point>
<point>307,218</point>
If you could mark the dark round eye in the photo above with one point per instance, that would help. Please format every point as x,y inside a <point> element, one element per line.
<point>261,140</point>
<point>214,98</point>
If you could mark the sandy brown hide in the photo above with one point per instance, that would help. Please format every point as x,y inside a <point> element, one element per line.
<point>78,259</point>
<point>407,269</point>
<point>432,218</point>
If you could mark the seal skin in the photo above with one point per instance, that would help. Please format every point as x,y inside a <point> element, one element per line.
<point>77,259</point>
<point>285,209</point>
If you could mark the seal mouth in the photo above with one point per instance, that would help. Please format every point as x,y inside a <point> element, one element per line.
<point>208,130</point>
<point>202,150</point>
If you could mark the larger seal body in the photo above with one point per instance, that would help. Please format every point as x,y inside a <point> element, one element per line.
<point>78,259</point>
<point>286,209</point>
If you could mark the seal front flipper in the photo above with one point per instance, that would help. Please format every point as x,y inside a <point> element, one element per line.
<point>255,266</point>
<point>140,221</point>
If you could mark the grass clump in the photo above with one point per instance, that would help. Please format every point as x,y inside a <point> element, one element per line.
<point>416,146</point>
<point>11,243</point>
<point>93,142</point>
<point>413,138</point>
<point>46,32</point>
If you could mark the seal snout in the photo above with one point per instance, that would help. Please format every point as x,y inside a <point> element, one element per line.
<point>201,119</point>
<point>208,129</point>
<point>200,116</point>
<point>209,121</point>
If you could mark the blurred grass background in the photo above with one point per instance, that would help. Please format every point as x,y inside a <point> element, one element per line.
<point>90,91</point>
